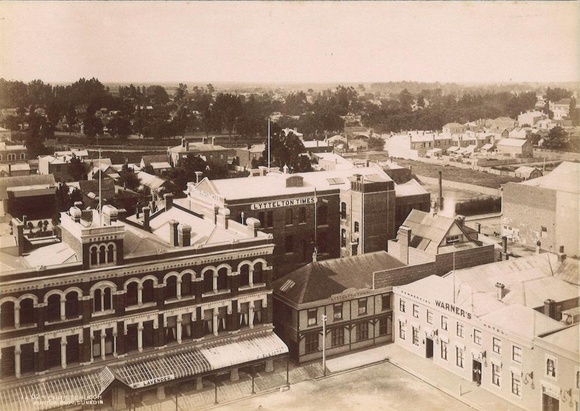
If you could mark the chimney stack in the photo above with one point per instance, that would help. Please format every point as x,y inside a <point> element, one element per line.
<point>110,215</point>
<point>198,175</point>
<point>561,254</point>
<point>500,291</point>
<point>460,220</point>
<point>184,235</point>
<point>254,226</point>
<point>146,215</point>
<point>213,141</point>
<point>404,239</point>
<point>504,253</point>
<point>173,238</point>
<point>19,235</point>
<point>168,197</point>
<point>538,246</point>
<point>549,308</point>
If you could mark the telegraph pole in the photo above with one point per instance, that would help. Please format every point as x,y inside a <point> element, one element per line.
<point>324,317</point>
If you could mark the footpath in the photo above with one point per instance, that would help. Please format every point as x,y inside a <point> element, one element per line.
<point>229,392</point>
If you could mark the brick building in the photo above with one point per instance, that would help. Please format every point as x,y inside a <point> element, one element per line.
<point>355,292</point>
<point>209,151</point>
<point>553,221</point>
<point>338,212</point>
<point>502,326</point>
<point>116,307</point>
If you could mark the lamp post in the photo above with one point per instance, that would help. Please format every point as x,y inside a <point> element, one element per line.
<point>324,317</point>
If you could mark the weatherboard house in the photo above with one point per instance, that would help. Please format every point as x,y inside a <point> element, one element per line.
<point>116,307</point>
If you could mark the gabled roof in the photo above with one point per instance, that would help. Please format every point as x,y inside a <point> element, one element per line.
<point>320,280</point>
<point>565,177</point>
<point>24,181</point>
<point>427,230</point>
<point>511,142</point>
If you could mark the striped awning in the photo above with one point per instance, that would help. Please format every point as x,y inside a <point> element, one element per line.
<point>57,392</point>
<point>201,359</point>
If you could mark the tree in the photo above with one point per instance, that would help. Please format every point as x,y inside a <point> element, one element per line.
<point>77,169</point>
<point>119,127</point>
<point>71,117</point>
<point>180,93</point>
<point>129,180</point>
<point>92,125</point>
<point>556,139</point>
<point>376,144</point>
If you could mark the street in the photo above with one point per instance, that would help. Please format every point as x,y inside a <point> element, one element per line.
<point>380,387</point>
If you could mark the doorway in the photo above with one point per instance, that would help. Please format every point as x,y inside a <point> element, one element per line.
<point>476,373</point>
<point>550,403</point>
<point>428,348</point>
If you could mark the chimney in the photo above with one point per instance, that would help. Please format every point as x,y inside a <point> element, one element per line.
<point>183,142</point>
<point>184,235</point>
<point>433,209</point>
<point>198,175</point>
<point>254,226</point>
<point>222,217</point>
<point>478,225</point>
<point>549,308</point>
<point>440,203</point>
<point>20,236</point>
<point>25,219</point>
<point>504,252</point>
<point>122,214</point>
<point>460,220</point>
<point>173,238</point>
<point>110,215</point>
<point>168,197</point>
<point>404,239</point>
<point>213,141</point>
<point>500,291</point>
<point>146,214</point>
<point>561,254</point>
<point>538,246</point>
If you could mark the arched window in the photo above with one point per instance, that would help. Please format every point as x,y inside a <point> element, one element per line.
<point>147,296</point>
<point>7,316</point>
<point>356,227</point>
<point>98,300</point>
<point>102,251</point>
<point>208,281</point>
<point>132,290</point>
<point>171,287</point>
<point>222,281</point>
<point>72,304</point>
<point>244,275</point>
<point>343,210</point>
<point>53,308</point>
<point>111,253</point>
<point>108,299</point>
<point>258,273</point>
<point>343,238</point>
<point>186,288</point>
<point>27,311</point>
<point>94,256</point>
<point>22,156</point>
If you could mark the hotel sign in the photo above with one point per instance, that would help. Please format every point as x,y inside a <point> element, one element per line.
<point>453,308</point>
<point>283,203</point>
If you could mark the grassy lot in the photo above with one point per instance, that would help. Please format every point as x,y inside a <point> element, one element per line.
<point>449,172</point>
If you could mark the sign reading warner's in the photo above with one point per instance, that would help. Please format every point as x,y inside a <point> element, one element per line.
<point>283,203</point>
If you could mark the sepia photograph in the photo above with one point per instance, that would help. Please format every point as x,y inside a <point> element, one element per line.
<point>290,205</point>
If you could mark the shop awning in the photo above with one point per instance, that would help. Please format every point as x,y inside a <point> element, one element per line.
<point>57,392</point>
<point>201,359</point>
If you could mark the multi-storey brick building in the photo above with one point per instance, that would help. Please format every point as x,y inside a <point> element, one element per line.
<point>115,307</point>
<point>338,213</point>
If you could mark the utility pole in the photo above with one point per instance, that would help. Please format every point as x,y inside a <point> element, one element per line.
<point>324,317</point>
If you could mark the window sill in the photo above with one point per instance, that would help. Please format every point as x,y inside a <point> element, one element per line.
<point>213,293</point>
<point>137,307</point>
<point>103,313</point>
<point>251,286</point>
<point>60,321</point>
<point>177,299</point>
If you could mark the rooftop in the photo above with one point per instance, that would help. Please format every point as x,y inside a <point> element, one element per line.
<point>565,177</point>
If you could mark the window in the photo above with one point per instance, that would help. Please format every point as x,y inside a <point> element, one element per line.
<point>402,306</point>
<point>429,317</point>
<point>444,323</point>
<point>289,216</point>
<point>415,311</point>
<point>517,354</point>
<point>459,357</point>
<point>322,214</point>
<point>477,337</point>
<point>385,326</point>
<point>289,244</point>
<point>356,227</point>
<point>362,331</point>
<point>270,219</point>
<point>496,345</point>
<point>311,343</point>
<point>386,302</point>
<point>415,336</point>
<point>302,215</point>
<point>577,379</point>
<point>460,330</point>
<point>312,318</point>
<point>343,211</point>
<point>516,384</point>
<point>443,350</point>
<point>262,218</point>
<point>343,238</point>
<point>244,278</point>
<point>362,306</point>
<point>452,239</point>
<point>551,367</point>
<point>495,374</point>
<point>337,311</point>
<point>401,330</point>
<point>337,335</point>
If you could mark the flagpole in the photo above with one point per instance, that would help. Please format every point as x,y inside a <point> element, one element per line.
<point>269,141</point>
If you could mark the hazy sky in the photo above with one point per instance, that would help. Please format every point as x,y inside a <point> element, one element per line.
<point>290,41</point>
